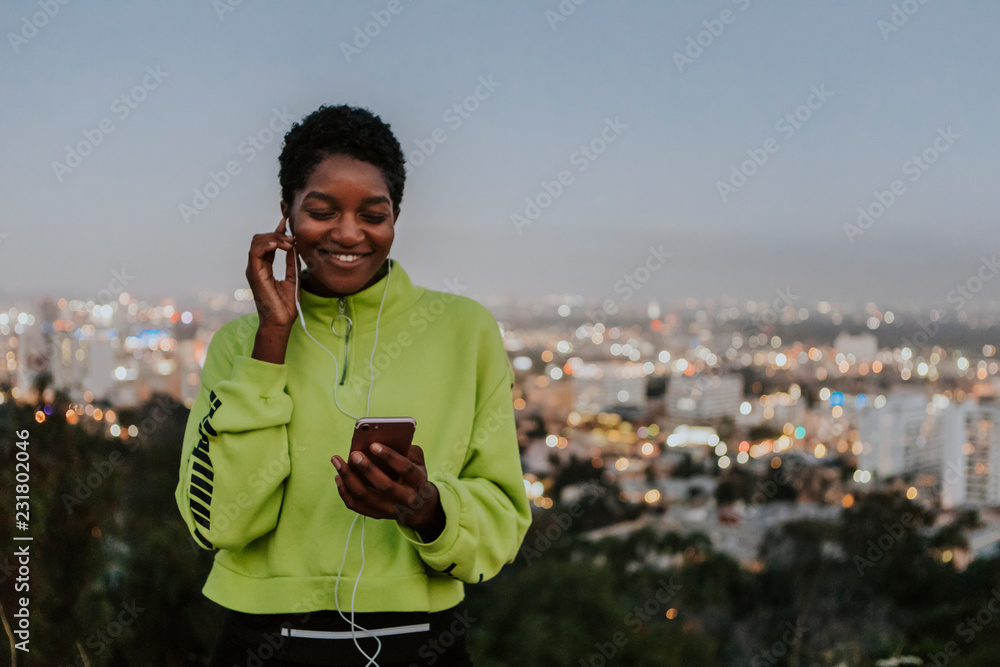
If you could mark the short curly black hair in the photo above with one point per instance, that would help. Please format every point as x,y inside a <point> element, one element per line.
<point>343,129</point>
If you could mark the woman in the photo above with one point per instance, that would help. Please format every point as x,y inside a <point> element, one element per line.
<point>349,337</point>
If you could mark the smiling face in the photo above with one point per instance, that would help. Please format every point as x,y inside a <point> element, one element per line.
<point>344,225</point>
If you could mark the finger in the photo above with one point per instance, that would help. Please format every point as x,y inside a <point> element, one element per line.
<point>261,283</point>
<point>357,483</point>
<point>278,236</point>
<point>281,225</point>
<point>291,263</point>
<point>268,243</point>
<point>416,475</point>
<point>389,491</point>
<point>351,483</point>
<point>416,454</point>
<point>258,271</point>
<point>261,255</point>
<point>347,473</point>
<point>261,263</point>
<point>265,252</point>
<point>353,502</point>
<point>413,482</point>
<point>402,465</point>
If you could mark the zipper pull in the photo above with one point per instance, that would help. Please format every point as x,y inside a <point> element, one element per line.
<point>342,320</point>
<point>347,334</point>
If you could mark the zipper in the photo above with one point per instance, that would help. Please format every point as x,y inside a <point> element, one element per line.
<point>347,337</point>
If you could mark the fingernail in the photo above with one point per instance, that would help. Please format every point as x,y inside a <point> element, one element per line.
<point>377,448</point>
<point>336,462</point>
<point>356,457</point>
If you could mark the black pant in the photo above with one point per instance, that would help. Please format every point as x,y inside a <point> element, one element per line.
<point>270,640</point>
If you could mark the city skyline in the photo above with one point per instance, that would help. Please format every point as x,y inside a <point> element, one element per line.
<point>552,148</point>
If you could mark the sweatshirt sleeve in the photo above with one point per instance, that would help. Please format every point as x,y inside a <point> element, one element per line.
<point>234,459</point>
<point>486,507</point>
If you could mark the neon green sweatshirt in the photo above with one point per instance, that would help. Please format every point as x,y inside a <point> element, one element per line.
<point>256,481</point>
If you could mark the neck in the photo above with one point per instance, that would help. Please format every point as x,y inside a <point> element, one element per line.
<point>308,285</point>
<point>363,305</point>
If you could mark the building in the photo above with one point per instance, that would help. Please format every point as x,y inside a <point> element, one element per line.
<point>980,454</point>
<point>702,397</point>
<point>895,436</point>
<point>952,448</point>
<point>609,386</point>
<point>863,347</point>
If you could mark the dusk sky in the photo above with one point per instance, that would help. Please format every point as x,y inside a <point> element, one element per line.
<point>833,99</point>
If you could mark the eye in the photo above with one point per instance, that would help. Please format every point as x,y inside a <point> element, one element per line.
<point>320,215</point>
<point>374,218</point>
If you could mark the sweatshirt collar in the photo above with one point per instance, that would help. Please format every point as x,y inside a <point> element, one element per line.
<point>362,307</point>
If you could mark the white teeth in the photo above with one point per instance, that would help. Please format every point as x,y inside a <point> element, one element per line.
<point>342,258</point>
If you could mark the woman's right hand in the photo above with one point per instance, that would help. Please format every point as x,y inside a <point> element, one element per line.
<point>275,299</point>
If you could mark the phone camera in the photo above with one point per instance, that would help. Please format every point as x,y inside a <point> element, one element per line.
<point>365,427</point>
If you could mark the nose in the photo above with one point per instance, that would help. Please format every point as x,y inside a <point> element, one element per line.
<point>347,232</point>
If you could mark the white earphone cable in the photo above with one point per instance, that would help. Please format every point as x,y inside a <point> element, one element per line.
<point>371,359</point>
<point>336,587</point>
<point>371,384</point>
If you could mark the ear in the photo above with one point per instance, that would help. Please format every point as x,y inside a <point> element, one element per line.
<point>395,214</point>
<point>286,213</point>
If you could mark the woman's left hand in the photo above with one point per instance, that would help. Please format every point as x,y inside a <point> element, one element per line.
<point>413,500</point>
